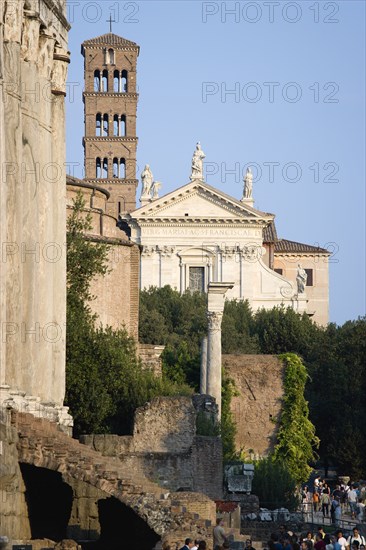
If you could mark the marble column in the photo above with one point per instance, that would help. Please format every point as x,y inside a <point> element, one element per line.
<point>203,373</point>
<point>215,309</point>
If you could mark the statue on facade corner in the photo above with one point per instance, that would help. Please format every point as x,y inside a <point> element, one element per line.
<point>301,279</point>
<point>248,184</point>
<point>197,163</point>
<point>147,180</point>
<point>155,190</point>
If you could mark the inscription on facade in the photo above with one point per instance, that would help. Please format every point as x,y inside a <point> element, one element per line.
<point>202,231</point>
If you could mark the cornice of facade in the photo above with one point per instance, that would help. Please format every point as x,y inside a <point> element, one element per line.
<point>110,181</point>
<point>297,254</point>
<point>106,139</point>
<point>194,221</point>
<point>119,47</point>
<point>128,95</point>
<point>156,211</point>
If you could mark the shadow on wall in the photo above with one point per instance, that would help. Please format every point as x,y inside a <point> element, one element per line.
<point>49,502</point>
<point>122,528</point>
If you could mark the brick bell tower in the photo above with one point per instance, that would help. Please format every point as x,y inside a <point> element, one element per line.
<point>110,105</point>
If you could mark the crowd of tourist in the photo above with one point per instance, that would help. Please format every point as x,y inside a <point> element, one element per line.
<point>322,500</point>
<point>285,540</point>
<point>333,504</point>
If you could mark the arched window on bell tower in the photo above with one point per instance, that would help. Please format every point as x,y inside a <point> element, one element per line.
<point>124,81</point>
<point>115,167</point>
<point>119,125</point>
<point>98,168</point>
<point>97,82</point>
<point>111,56</point>
<point>105,132</point>
<point>105,81</point>
<point>122,127</point>
<point>122,168</point>
<point>115,125</point>
<point>98,125</point>
<point>116,81</point>
<point>105,168</point>
<point>119,168</point>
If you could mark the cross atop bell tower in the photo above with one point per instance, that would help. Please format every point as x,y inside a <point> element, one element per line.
<point>110,21</point>
<point>110,106</point>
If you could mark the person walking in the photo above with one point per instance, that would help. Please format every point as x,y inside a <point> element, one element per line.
<point>336,511</point>
<point>352,500</point>
<point>325,501</point>
<point>219,535</point>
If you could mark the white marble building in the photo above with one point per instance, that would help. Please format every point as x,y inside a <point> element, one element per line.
<point>197,234</point>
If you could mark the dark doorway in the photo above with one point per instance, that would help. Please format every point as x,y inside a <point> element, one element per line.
<point>197,279</point>
<point>121,527</point>
<point>49,502</point>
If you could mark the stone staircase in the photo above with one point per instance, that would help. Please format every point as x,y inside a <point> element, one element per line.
<point>172,516</point>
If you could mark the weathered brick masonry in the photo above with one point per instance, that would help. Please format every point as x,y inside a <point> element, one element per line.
<point>259,382</point>
<point>165,448</point>
<point>172,516</point>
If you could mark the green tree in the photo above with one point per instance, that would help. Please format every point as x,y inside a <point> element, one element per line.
<point>228,426</point>
<point>296,439</point>
<point>238,334</point>
<point>85,259</point>
<point>282,330</point>
<point>336,394</point>
<point>105,381</point>
<point>274,485</point>
<point>334,356</point>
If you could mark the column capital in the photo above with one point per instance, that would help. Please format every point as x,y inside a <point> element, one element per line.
<point>216,296</point>
<point>214,320</point>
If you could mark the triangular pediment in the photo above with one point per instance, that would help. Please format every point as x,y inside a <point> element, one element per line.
<point>198,200</point>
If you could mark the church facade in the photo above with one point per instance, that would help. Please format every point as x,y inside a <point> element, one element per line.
<point>197,234</point>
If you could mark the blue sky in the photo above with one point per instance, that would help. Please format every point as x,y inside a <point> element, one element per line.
<point>276,85</point>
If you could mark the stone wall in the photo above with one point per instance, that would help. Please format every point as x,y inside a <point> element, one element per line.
<point>84,520</point>
<point>259,382</point>
<point>14,520</point>
<point>150,356</point>
<point>117,292</point>
<point>165,448</point>
<point>87,481</point>
<point>33,68</point>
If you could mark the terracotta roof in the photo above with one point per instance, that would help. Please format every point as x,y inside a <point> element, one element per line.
<point>110,39</point>
<point>225,506</point>
<point>270,233</point>
<point>283,245</point>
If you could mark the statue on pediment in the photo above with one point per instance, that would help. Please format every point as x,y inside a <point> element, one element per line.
<point>301,279</point>
<point>248,184</point>
<point>197,163</point>
<point>147,181</point>
<point>155,190</point>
